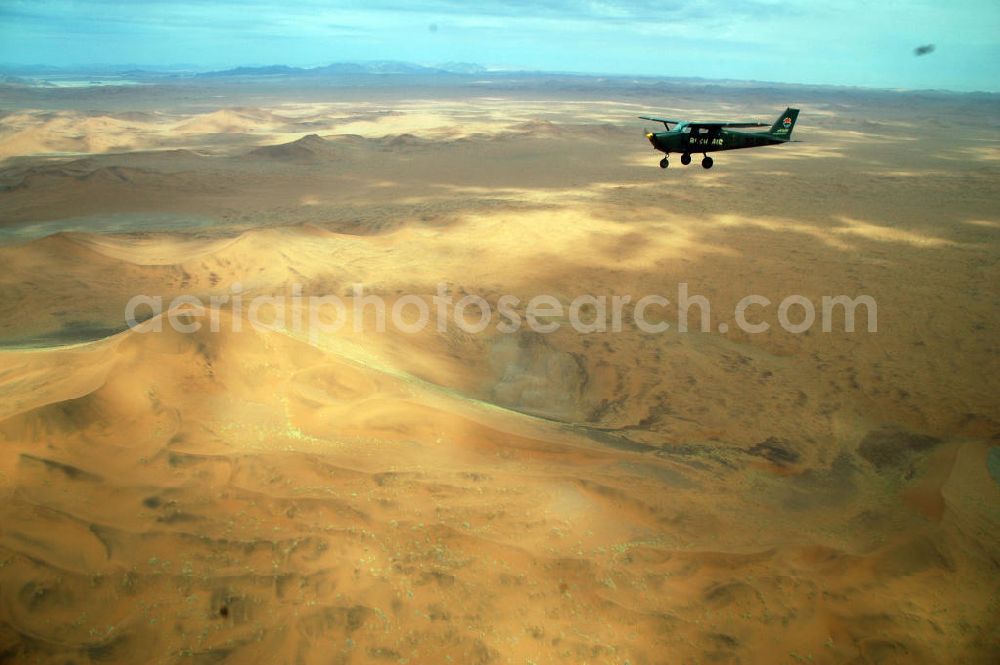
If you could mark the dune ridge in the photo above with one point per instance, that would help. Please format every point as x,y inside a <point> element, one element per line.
<point>338,418</point>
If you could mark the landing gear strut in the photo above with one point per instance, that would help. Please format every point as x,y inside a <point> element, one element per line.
<point>685,159</point>
<point>707,162</point>
<point>664,163</point>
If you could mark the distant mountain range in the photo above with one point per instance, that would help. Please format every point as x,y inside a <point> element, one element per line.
<point>342,68</point>
<point>351,73</point>
<point>38,74</point>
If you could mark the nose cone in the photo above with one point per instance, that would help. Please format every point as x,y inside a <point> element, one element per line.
<point>652,138</point>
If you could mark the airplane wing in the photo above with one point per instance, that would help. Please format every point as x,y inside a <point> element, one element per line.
<point>717,125</point>
<point>694,124</point>
<point>663,120</point>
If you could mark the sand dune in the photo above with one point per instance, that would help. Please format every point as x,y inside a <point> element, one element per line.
<point>249,471</point>
<point>71,132</point>
<point>241,120</point>
<point>36,132</point>
<point>308,148</point>
<point>351,496</point>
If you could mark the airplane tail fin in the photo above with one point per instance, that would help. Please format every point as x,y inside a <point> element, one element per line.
<point>782,127</point>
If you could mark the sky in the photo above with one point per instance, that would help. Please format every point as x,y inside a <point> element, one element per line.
<point>842,42</point>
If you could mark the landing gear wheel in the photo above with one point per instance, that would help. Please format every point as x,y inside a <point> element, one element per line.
<point>685,159</point>
<point>664,163</point>
<point>707,162</point>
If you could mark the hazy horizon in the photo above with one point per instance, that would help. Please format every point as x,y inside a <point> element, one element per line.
<point>854,43</point>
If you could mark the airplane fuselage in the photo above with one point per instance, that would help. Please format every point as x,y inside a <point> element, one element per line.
<point>679,141</point>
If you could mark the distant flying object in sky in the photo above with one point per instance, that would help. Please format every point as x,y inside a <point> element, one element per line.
<point>693,136</point>
<point>924,50</point>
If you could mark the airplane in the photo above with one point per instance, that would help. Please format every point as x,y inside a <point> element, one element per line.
<point>688,137</point>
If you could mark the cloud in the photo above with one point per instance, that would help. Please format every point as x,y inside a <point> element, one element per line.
<point>260,14</point>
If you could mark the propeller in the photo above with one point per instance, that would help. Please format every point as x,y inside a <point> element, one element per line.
<point>648,133</point>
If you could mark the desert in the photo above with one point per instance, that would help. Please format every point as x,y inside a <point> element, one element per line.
<point>279,493</point>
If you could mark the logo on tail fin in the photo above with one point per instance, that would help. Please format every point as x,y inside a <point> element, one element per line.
<point>782,127</point>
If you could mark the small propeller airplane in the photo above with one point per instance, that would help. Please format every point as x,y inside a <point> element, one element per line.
<point>688,137</point>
